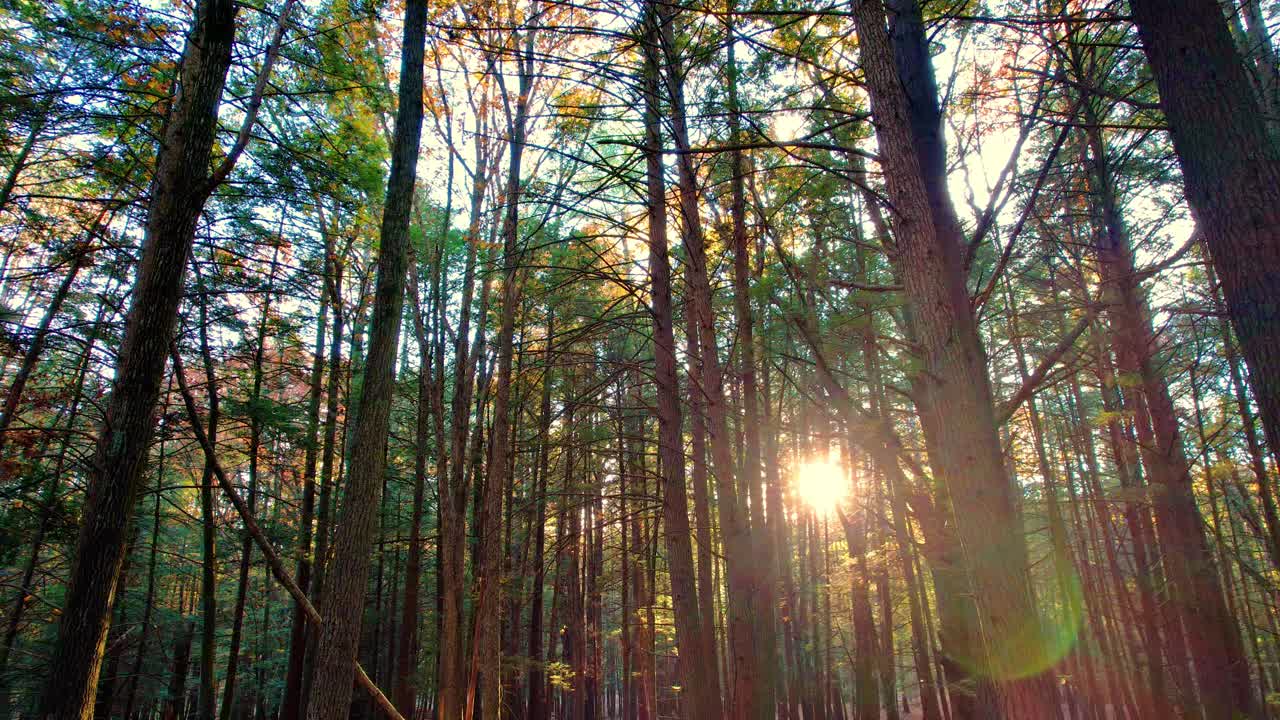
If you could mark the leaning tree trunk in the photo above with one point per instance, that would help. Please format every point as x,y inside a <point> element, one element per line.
<point>1231,168</point>
<point>31,356</point>
<point>179,189</point>
<point>45,523</point>
<point>342,601</point>
<point>1195,593</point>
<point>955,390</point>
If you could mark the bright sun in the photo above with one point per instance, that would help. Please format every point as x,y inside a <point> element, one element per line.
<point>822,484</point>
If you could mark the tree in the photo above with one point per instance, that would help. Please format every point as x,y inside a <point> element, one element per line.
<point>179,188</point>
<point>992,639</point>
<point>935,409</point>
<point>697,659</point>
<point>1231,167</point>
<point>342,600</point>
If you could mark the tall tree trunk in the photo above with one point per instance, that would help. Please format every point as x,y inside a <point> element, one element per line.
<point>574,623</point>
<point>48,498</point>
<point>764,585</point>
<point>179,189</point>
<point>1000,636</point>
<point>1138,522</point>
<point>537,678</point>
<point>866,694</point>
<point>407,647</point>
<point>1257,456</point>
<point>642,636</point>
<point>1231,168</point>
<point>291,701</point>
<point>696,661</point>
<point>453,487</point>
<point>175,701</point>
<point>704,540</point>
<point>1195,591</point>
<point>886,666</point>
<point>489,571</point>
<point>208,551</point>
<point>328,465</point>
<point>735,524</point>
<point>890,487</point>
<point>105,701</point>
<point>149,601</point>
<point>343,595</point>
<point>255,447</point>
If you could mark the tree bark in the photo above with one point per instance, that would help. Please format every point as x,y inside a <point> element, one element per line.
<point>764,583</point>
<point>179,189</point>
<point>149,601</point>
<point>489,571</point>
<point>175,701</point>
<point>246,544</point>
<point>1231,169</point>
<point>695,660</point>
<point>343,596</point>
<point>47,500</point>
<point>208,551</point>
<point>1000,635</point>
<point>407,646</point>
<point>452,485</point>
<point>1195,590</point>
<point>291,701</point>
<point>735,524</point>
<point>328,465</point>
<point>537,709</point>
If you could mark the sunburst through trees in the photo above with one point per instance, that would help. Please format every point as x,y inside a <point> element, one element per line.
<point>639,359</point>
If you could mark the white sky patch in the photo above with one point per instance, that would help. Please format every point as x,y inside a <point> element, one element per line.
<point>788,125</point>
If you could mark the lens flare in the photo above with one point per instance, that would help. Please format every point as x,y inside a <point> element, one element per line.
<point>1030,645</point>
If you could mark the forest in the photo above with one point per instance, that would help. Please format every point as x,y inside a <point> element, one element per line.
<point>639,359</point>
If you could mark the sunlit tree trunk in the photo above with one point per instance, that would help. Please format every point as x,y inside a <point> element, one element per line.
<point>1231,169</point>
<point>1195,592</point>
<point>999,636</point>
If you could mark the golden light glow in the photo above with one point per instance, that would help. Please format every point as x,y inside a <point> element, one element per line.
<point>821,483</point>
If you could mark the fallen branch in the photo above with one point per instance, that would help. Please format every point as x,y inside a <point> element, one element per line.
<point>273,559</point>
